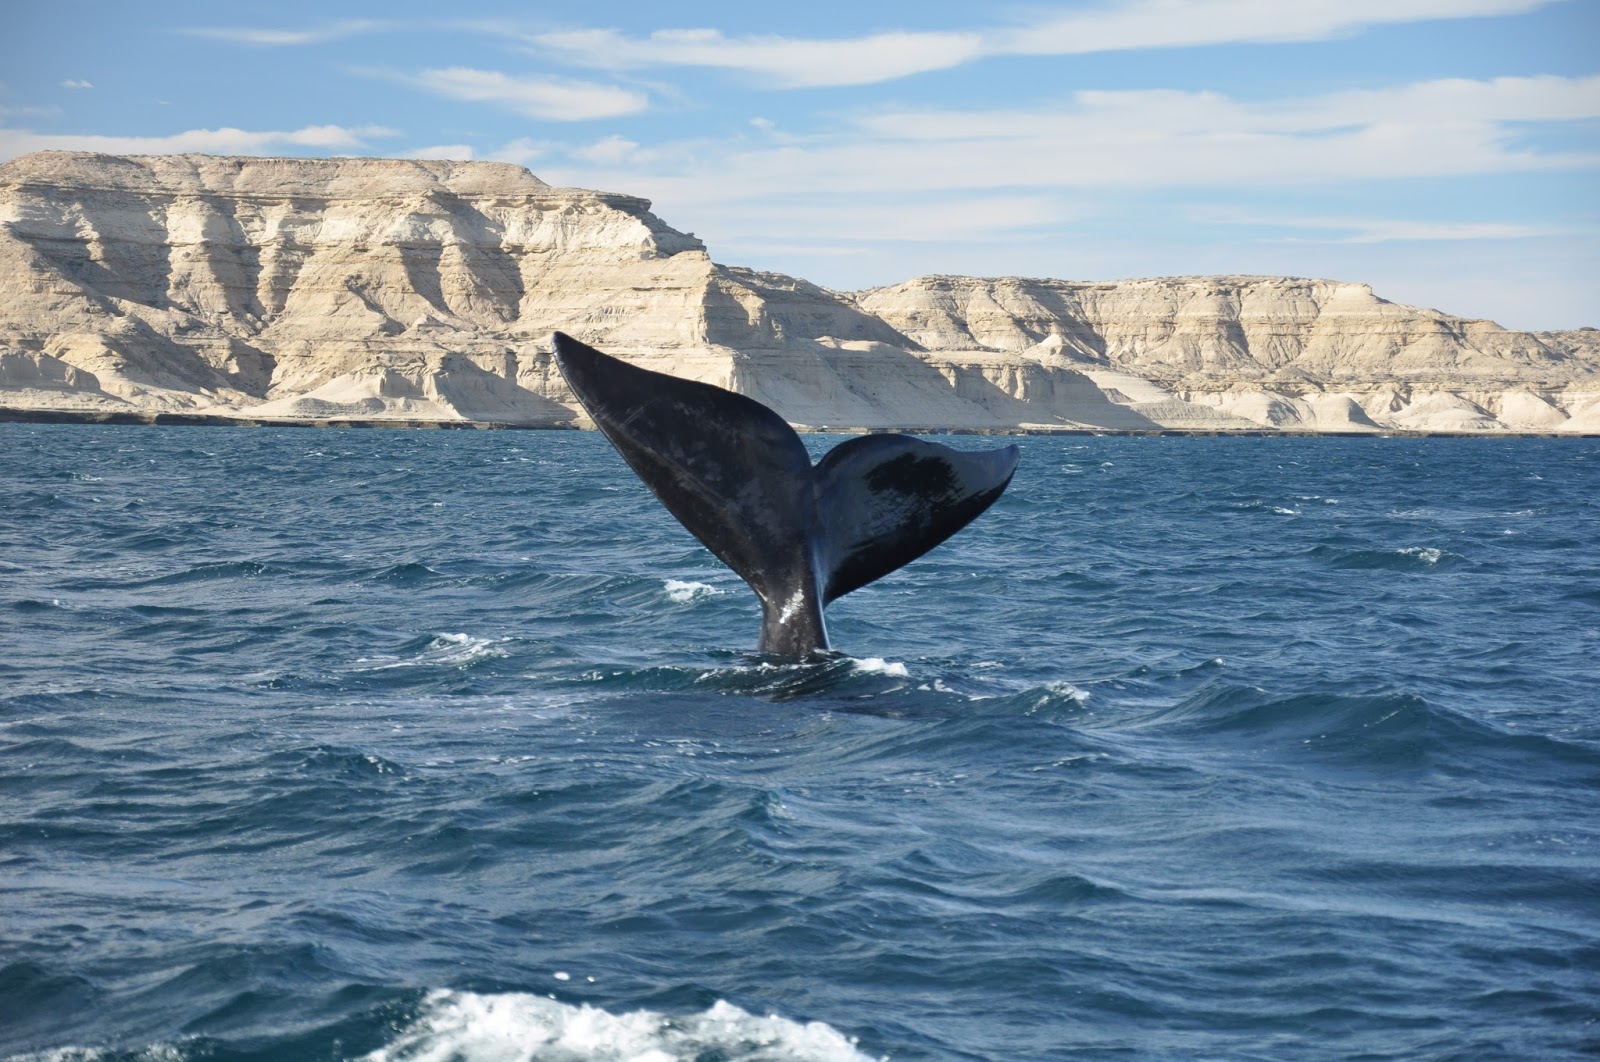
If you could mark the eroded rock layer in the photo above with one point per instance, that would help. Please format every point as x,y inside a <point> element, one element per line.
<point>376,289</point>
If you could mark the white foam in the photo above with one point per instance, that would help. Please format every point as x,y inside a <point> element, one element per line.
<point>153,1053</point>
<point>1424,553</point>
<point>460,649</point>
<point>515,1027</point>
<point>382,766</point>
<point>1054,692</point>
<point>447,648</point>
<point>880,666</point>
<point>683,592</point>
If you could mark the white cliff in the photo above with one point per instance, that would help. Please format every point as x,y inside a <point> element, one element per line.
<point>367,289</point>
<point>1274,351</point>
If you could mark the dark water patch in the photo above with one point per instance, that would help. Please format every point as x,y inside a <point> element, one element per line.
<point>141,579</point>
<point>1376,732</point>
<point>29,604</point>
<point>410,574</point>
<point>324,762</point>
<point>32,1000</point>
<point>147,542</point>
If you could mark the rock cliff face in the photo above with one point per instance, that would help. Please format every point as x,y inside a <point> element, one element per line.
<point>374,289</point>
<point>1282,351</point>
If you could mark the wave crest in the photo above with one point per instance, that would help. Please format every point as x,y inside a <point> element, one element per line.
<point>516,1025</point>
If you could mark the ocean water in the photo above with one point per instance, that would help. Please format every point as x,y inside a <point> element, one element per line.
<point>450,745</point>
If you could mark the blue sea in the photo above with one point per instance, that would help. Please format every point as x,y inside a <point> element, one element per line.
<point>437,745</point>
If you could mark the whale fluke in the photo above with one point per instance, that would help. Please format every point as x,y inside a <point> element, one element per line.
<point>738,477</point>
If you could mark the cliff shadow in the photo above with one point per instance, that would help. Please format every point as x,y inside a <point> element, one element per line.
<point>478,394</point>
<point>488,286</point>
<point>1039,394</point>
<point>232,260</point>
<point>495,273</point>
<point>135,266</point>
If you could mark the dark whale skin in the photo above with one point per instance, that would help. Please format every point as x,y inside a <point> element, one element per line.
<point>738,477</point>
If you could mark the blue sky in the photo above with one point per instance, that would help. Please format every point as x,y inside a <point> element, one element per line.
<point>1445,151</point>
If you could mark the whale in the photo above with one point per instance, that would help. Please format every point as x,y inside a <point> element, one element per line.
<point>736,475</point>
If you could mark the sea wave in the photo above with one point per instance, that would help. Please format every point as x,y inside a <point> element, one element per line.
<point>447,649</point>
<point>1379,731</point>
<point>1398,559</point>
<point>1136,767</point>
<point>515,1026</point>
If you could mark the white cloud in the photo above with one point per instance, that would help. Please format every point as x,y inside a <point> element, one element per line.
<point>29,112</point>
<point>224,141</point>
<point>1393,230</point>
<point>1390,231</point>
<point>335,136</point>
<point>1120,26</point>
<point>1107,183</point>
<point>522,151</point>
<point>1131,140</point>
<point>537,97</point>
<point>925,219</point>
<point>1159,115</point>
<point>1505,99</point>
<point>1140,24</point>
<point>277,38</point>
<point>608,151</point>
<point>787,62</point>
<point>77,83</point>
<point>450,152</point>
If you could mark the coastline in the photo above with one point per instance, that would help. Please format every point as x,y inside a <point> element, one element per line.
<point>116,312</point>
<point>214,420</point>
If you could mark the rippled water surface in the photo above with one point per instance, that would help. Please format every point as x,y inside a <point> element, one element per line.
<point>433,745</point>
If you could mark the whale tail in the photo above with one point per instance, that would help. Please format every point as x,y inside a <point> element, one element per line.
<point>738,477</point>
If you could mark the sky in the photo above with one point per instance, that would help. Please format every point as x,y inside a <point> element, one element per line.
<point>1447,152</point>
